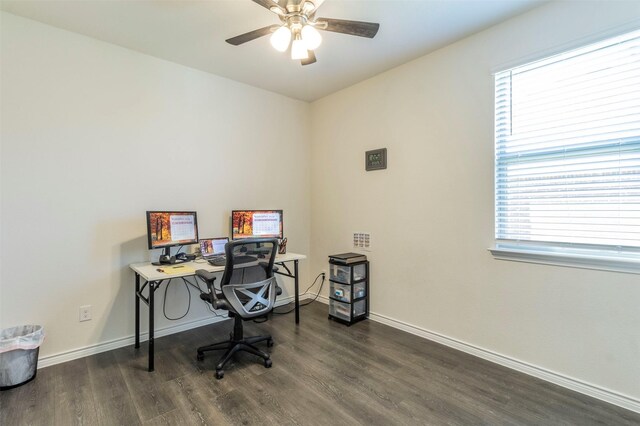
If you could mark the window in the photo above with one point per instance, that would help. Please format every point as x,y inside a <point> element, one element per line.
<point>567,160</point>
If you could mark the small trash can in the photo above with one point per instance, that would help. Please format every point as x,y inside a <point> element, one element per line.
<point>19,347</point>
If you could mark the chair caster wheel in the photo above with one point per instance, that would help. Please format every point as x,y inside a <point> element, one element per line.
<point>219,374</point>
<point>269,343</point>
<point>200,356</point>
<point>267,363</point>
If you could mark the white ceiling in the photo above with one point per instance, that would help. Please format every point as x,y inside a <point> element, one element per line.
<point>192,33</point>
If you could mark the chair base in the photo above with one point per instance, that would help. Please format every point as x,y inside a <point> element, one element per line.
<point>237,344</point>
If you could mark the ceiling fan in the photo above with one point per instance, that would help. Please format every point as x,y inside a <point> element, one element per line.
<point>299,28</point>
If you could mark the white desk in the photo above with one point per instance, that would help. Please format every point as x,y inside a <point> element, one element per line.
<point>154,277</point>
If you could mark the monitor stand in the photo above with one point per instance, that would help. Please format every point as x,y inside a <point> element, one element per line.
<point>165,258</point>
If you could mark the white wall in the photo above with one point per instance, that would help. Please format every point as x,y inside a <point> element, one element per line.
<point>93,135</point>
<point>431,212</point>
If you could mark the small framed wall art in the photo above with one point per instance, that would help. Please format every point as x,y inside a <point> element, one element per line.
<point>376,159</point>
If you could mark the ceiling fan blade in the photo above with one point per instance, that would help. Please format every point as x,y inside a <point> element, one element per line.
<point>357,28</point>
<point>251,35</point>
<point>310,60</point>
<point>271,5</point>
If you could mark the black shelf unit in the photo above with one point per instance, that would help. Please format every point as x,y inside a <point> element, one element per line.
<point>348,291</point>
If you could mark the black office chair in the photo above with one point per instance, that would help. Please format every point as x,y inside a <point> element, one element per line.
<point>248,290</point>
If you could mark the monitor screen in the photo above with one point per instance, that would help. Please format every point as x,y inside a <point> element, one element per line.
<point>167,229</point>
<point>256,223</point>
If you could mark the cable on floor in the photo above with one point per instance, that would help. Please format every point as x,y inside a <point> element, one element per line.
<point>164,302</point>
<point>187,283</point>
<point>305,292</point>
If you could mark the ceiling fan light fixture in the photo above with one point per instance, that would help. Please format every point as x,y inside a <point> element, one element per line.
<point>311,37</point>
<point>299,49</point>
<point>298,28</point>
<point>280,38</point>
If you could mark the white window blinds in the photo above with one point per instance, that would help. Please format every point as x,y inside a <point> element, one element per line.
<point>568,147</point>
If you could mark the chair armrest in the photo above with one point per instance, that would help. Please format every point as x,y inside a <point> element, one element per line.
<point>208,277</point>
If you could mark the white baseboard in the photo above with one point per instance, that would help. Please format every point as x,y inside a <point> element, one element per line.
<point>598,392</point>
<point>109,345</point>
<point>121,342</point>
<point>321,299</point>
<point>589,389</point>
<point>594,391</point>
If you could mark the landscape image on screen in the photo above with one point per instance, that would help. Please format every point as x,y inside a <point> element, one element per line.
<point>172,228</point>
<point>254,223</point>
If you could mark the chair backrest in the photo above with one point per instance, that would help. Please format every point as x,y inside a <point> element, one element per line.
<point>248,282</point>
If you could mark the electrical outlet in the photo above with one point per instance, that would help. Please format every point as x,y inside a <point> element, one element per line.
<point>85,313</point>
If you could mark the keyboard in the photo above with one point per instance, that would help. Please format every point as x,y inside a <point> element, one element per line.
<point>238,260</point>
<point>217,261</point>
<point>243,259</point>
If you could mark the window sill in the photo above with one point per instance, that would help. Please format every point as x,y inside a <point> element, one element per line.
<point>601,262</point>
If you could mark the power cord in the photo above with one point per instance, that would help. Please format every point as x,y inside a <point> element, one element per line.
<point>164,301</point>
<point>321,274</point>
<point>187,283</point>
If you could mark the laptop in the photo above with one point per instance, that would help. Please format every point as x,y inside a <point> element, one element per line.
<point>212,250</point>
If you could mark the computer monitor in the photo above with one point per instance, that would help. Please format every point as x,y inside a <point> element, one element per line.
<point>256,223</point>
<point>169,229</point>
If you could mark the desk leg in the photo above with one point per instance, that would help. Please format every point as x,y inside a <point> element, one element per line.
<point>152,289</point>
<point>297,295</point>
<point>137,301</point>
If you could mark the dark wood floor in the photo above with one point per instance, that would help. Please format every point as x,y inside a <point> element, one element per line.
<point>323,373</point>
